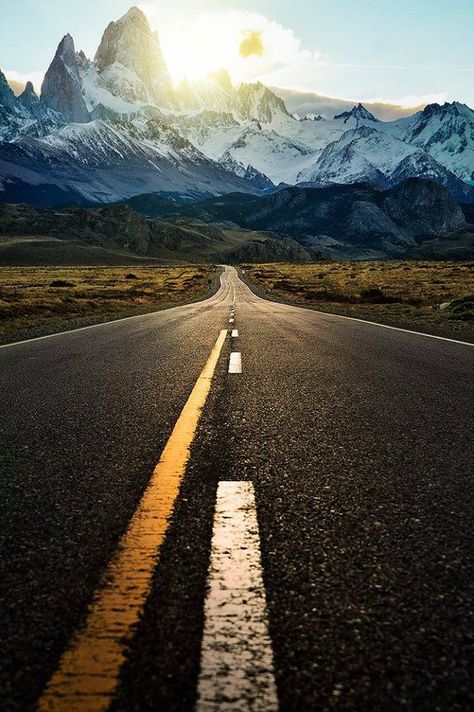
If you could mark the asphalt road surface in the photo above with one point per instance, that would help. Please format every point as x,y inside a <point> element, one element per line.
<point>354,446</point>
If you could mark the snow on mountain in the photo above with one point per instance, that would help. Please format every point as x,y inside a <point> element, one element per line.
<point>366,154</point>
<point>103,161</point>
<point>130,61</point>
<point>215,93</point>
<point>249,173</point>
<point>128,73</point>
<point>248,143</point>
<point>446,133</point>
<point>358,115</point>
<point>25,114</point>
<point>257,130</point>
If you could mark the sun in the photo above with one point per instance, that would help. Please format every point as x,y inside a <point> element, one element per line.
<point>230,40</point>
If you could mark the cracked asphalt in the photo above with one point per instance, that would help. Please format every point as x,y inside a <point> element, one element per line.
<point>358,440</point>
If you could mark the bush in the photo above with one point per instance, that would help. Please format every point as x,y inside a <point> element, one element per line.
<point>375,295</point>
<point>61,283</point>
<point>325,295</point>
<point>130,275</point>
<point>464,305</point>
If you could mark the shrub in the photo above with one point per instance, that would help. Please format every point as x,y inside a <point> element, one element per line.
<point>375,295</point>
<point>130,275</point>
<point>61,283</point>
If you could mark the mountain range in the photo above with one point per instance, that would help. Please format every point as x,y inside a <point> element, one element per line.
<point>416,217</point>
<point>110,128</point>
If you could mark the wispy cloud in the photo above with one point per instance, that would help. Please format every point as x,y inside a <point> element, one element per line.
<point>248,44</point>
<point>412,101</point>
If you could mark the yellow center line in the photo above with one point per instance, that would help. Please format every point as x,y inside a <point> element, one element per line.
<point>88,670</point>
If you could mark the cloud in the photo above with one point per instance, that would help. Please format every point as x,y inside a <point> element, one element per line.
<point>412,101</point>
<point>248,44</point>
<point>252,44</point>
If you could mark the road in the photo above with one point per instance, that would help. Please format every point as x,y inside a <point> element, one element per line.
<point>350,445</point>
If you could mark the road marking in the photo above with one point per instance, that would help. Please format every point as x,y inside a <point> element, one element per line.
<point>84,328</point>
<point>231,320</point>
<point>235,362</point>
<point>88,670</point>
<point>234,333</point>
<point>387,326</point>
<point>236,654</point>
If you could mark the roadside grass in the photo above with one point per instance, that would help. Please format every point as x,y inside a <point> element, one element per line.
<point>41,300</point>
<point>405,294</point>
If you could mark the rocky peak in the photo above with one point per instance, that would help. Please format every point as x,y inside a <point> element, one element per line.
<point>258,102</point>
<point>28,97</point>
<point>66,50</point>
<point>7,97</point>
<point>131,43</point>
<point>221,78</point>
<point>62,85</point>
<point>358,113</point>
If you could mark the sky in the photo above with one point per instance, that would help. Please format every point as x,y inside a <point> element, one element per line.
<point>400,51</point>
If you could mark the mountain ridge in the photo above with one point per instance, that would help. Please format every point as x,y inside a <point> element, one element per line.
<point>233,138</point>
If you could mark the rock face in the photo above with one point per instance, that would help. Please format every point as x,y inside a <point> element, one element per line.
<point>130,43</point>
<point>62,85</point>
<point>257,102</point>
<point>358,219</point>
<point>29,100</point>
<point>249,173</point>
<point>359,113</point>
<point>447,133</point>
<point>425,207</point>
<point>7,97</point>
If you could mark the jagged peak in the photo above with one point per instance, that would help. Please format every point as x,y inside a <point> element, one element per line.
<point>7,96</point>
<point>28,95</point>
<point>221,77</point>
<point>448,108</point>
<point>29,89</point>
<point>134,15</point>
<point>66,47</point>
<point>358,111</point>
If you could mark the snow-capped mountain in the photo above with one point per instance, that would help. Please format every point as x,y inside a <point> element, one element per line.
<point>103,161</point>
<point>366,154</point>
<point>24,114</point>
<point>130,62</point>
<point>446,133</point>
<point>357,114</point>
<point>115,126</point>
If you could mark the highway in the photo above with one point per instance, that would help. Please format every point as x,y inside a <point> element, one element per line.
<point>318,474</point>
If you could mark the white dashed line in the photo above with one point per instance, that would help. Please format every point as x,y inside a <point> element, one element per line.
<point>235,362</point>
<point>231,320</point>
<point>236,655</point>
<point>234,333</point>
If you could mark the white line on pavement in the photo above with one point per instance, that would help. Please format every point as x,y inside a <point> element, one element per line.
<point>231,320</point>
<point>235,362</point>
<point>234,333</point>
<point>394,328</point>
<point>236,655</point>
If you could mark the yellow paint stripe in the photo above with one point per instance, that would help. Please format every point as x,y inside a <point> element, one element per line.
<point>88,670</point>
